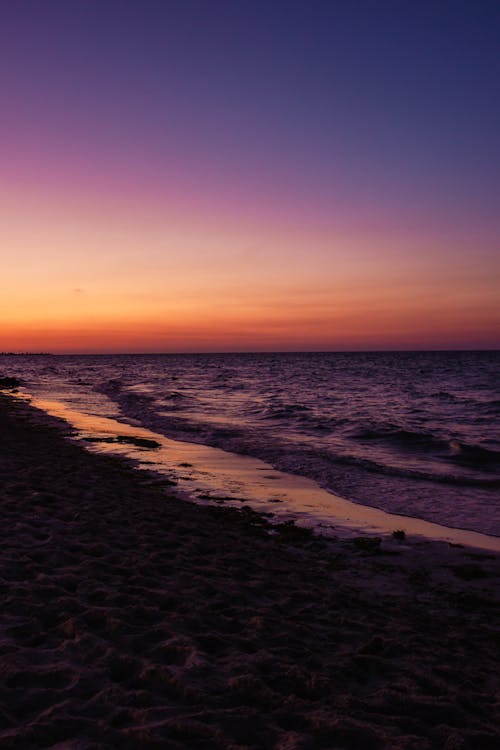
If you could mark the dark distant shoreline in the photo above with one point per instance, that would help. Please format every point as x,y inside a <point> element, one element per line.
<point>28,354</point>
<point>250,353</point>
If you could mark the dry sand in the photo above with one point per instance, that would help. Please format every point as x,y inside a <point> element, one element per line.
<point>133,619</point>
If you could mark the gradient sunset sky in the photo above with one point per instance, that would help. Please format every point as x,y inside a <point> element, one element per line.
<point>249,176</point>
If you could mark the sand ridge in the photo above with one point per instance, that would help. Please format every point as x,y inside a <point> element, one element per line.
<point>133,619</point>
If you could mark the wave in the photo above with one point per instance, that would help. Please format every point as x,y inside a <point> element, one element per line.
<point>284,411</point>
<point>445,396</point>
<point>318,463</point>
<point>376,467</point>
<point>474,455</point>
<point>449,449</point>
<point>176,401</point>
<point>398,436</point>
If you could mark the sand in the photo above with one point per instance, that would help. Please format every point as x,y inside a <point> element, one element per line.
<point>134,619</point>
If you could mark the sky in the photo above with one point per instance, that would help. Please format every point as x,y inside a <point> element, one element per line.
<point>249,175</point>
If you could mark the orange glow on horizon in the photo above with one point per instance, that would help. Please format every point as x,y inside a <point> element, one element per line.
<point>92,279</point>
<point>270,328</point>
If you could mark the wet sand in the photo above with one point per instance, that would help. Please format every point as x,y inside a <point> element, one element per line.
<point>134,619</point>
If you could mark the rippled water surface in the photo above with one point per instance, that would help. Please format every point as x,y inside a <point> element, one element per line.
<point>412,433</point>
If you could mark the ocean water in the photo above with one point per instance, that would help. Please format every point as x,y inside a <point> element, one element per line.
<point>414,433</point>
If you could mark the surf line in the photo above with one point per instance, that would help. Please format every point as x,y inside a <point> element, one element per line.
<point>211,475</point>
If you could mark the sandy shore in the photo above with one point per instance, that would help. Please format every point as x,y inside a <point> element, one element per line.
<point>132,619</point>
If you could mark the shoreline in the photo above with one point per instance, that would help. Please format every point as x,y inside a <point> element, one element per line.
<point>206,474</point>
<point>135,619</point>
<point>404,458</point>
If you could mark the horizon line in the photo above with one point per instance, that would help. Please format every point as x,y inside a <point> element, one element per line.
<point>249,351</point>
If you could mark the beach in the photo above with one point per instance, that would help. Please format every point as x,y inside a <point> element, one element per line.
<point>132,618</point>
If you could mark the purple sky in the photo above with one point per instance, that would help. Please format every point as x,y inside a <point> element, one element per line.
<point>249,175</point>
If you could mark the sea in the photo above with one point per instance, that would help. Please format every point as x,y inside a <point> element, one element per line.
<point>411,433</point>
